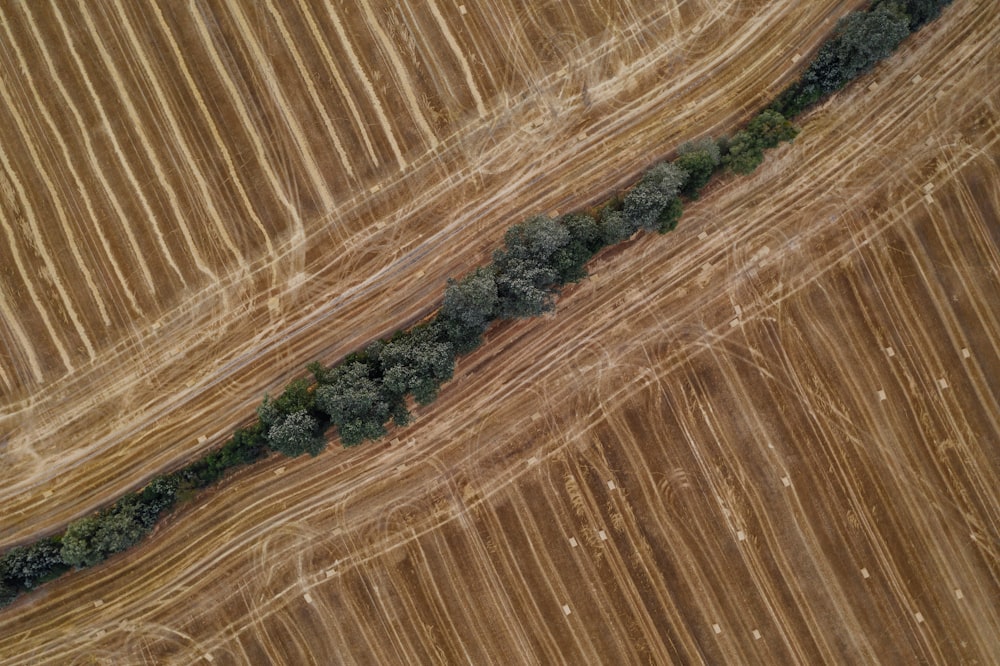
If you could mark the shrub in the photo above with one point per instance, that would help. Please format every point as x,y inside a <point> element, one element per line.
<point>670,216</point>
<point>295,398</point>
<point>766,130</point>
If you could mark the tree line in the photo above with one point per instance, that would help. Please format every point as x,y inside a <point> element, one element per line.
<point>370,390</point>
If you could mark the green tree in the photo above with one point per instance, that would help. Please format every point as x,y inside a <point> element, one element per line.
<point>860,40</point>
<point>119,528</point>
<point>918,12</point>
<point>584,240</point>
<point>526,276</point>
<point>295,434</point>
<point>614,227</point>
<point>78,549</point>
<point>355,403</point>
<point>469,307</point>
<point>27,566</point>
<point>699,159</point>
<point>645,202</point>
<point>418,363</point>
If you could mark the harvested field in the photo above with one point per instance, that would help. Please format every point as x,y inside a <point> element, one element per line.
<point>768,437</point>
<point>200,197</point>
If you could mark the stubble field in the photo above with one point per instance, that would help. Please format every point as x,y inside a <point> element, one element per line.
<point>199,198</point>
<point>768,437</point>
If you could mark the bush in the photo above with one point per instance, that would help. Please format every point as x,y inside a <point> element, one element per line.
<point>247,445</point>
<point>7,593</point>
<point>766,130</point>
<point>670,216</point>
<point>295,398</point>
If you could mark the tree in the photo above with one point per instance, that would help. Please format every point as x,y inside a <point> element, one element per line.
<point>860,40</point>
<point>77,548</point>
<point>614,227</point>
<point>119,528</point>
<point>469,307</point>
<point>698,159</point>
<point>584,240</point>
<point>918,12</point>
<point>645,202</point>
<point>295,434</point>
<point>27,566</point>
<point>355,403</point>
<point>526,276</point>
<point>418,363</point>
<point>158,496</point>
<point>766,130</point>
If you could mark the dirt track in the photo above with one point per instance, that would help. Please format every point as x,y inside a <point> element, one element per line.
<point>765,504</point>
<point>135,346</point>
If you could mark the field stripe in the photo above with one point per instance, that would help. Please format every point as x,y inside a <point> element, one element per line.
<point>331,66</point>
<point>124,94</point>
<point>123,161</point>
<point>7,181</point>
<point>280,193</point>
<point>14,325</point>
<point>282,107</point>
<point>345,42</point>
<point>403,78</point>
<point>206,192</point>
<point>453,44</point>
<point>96,168</point>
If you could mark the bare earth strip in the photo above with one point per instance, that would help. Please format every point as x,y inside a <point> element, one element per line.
<point>768,437</point>
<point>273,278</point>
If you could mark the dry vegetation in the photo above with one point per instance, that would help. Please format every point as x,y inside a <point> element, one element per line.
<point>769,437</point>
